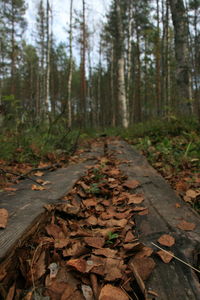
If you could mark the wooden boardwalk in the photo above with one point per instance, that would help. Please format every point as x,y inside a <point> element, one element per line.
<point>173,281</point>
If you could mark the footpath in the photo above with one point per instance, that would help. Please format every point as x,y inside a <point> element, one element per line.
<point>106,227</point>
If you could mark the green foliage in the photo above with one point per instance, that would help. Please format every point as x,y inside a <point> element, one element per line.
<point>94,189</point>
<point>32,144</point>
<point>111,237</point>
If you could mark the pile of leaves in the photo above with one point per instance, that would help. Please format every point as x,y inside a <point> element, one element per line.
<point>89,250</point>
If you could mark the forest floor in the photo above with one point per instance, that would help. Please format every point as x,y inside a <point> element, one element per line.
<point>114,235</point>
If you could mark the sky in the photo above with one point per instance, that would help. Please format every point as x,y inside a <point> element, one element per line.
<point>96,10</point>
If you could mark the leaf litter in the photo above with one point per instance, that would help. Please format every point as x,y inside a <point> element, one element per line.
<point>89,249</point>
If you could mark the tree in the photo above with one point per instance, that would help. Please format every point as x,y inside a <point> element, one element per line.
<point>183,68</point>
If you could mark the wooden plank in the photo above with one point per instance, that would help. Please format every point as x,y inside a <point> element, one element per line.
<point>173,280</point>
<point>25,206</point>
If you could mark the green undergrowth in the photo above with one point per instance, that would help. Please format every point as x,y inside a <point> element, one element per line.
<point>31,145</point>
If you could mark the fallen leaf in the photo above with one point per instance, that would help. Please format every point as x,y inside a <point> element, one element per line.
<point>96,242</point>
<point>144,212</point>
<point>166,258</point>
<point>129,237</point>
<point>144,252</point>
<point>92,220</point>
<point>131,184</point>
<point>35,187</point>
<point>177,205</point>
<point>39,174</point>
<point>186,226</point>
<point>77,249</point>
<point>139,208</point>
<point>61,243</point>
<point>107,252</point>
<point>130,246</point>
<point>135,199</point>
<point>144,266</point>
<point>191,194</point>
<point>3,217</point>
<point>79,264</point>
<point>110,292</point>
<point>55,231</point>
<point>166,240</point>
<point>39,268</point>
<point>89,202</point>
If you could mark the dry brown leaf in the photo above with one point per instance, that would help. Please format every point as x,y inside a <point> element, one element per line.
<point>119,223</point>
<point>39,174</point>
<point>68,208</point>
<point>144,212</point>
<point>129,237</point>
<point>166,258</point>
<point>96,242</point>
<point>92,220</point>
<point>35,187</point>
<point>130,246</point>
<point>61,243</point>
<point>144,252</point>
<point>39,268</point>
<point>107,252</point>
<point>90,202</point>
<point>144,266</point>
<point>135,199</point>
<point>84,186</point>
<point>3,217</point>
<point>181,186</point>
<point>77,249</point>
<point>131,184</point>
<point>79,264</point>
<point>184,225</point>
<point>55,231</point>
<point>110,292</point>
<point>191,194</point>
<point>177,205</point>
<point>139,208</point>
<point>166,240</point>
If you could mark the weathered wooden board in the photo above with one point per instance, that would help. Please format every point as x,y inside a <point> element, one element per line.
<point>173,281</point>
<point>26,206</point>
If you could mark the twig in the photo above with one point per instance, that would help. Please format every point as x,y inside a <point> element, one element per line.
<point>127,293</point>
<point>32,262</point>
<point>19,176</point>
<point>94,283</point>
<point>139,280</point>
<point>176,258</point>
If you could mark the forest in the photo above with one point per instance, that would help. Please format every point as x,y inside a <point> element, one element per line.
<point>99,149</point>
<point>137,76</point>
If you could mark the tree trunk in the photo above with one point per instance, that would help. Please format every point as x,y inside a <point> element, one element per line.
<point>121,73</point>
<point>181,31</point>
<point>69,83</point>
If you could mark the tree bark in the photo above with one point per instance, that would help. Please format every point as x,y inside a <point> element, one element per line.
<point>121,73</point>
<point>69,83</point>
<point>183,75</point>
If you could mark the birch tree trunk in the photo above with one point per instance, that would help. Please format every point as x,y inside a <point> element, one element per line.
<point>47,96</point>
<point>69,83</point>
<point>121,73</point>
<point>181,31</point>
